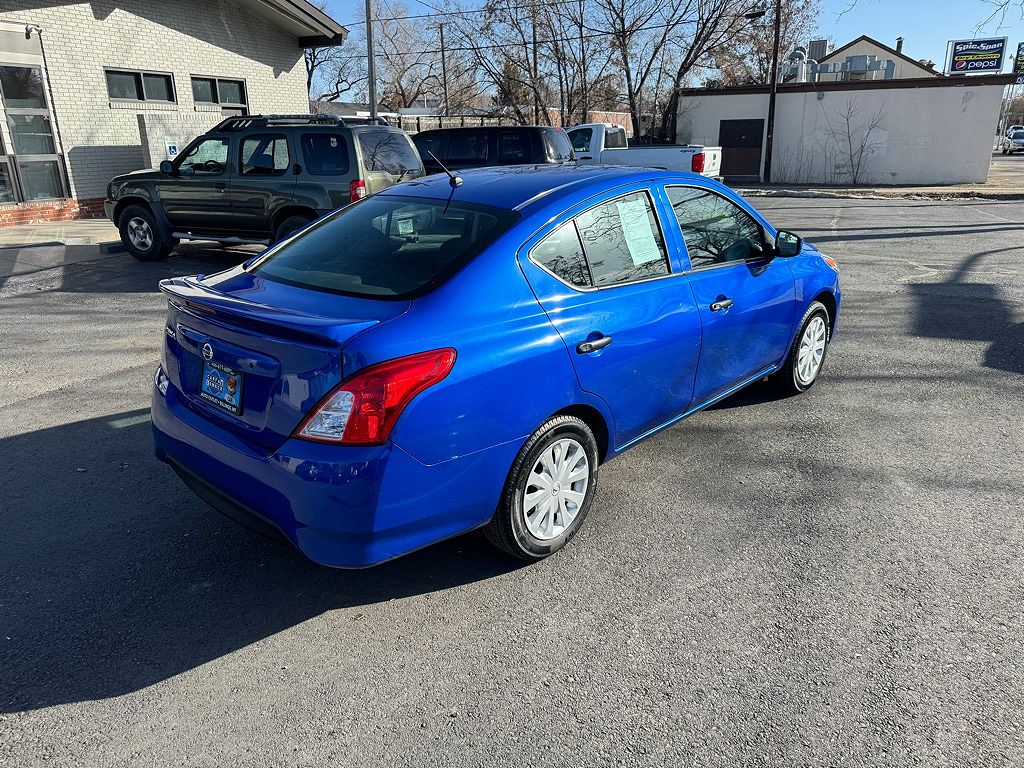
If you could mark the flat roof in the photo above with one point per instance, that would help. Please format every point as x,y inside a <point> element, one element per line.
<point>961,81</point>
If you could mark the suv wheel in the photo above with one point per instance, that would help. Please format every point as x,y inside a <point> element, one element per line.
<point>290,226</point>
<point>140,234</point>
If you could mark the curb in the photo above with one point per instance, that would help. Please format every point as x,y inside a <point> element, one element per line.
<point>875,195</point>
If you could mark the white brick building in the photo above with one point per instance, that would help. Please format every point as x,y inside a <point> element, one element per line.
<point>92,89</point>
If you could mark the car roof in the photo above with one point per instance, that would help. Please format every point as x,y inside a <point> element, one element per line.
<point>517,187</point>
<point>457,128</point>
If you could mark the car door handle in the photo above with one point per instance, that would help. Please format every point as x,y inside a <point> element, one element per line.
<point>718,306</point>
<point>220,186</point>
<point>586,347</point>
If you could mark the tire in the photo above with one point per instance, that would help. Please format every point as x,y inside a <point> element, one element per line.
<point>140,234</point>
<point>290,226</point>
<point>798,374</point>
<point>1004,150</point>
<point>561,443</point>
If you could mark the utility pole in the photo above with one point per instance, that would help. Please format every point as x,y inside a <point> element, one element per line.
<point>371,72</point>
<point>772,91</point>
<point>444,76</point>
<point>533,69</point>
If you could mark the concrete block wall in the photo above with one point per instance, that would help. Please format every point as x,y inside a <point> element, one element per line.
<point>213,38</point>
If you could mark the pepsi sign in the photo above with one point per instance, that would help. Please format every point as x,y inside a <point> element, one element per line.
<point>976,56</point>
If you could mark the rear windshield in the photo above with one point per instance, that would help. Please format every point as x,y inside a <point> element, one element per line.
<point>386,246</point>
<point>388,152</point>
<point>557,146</point>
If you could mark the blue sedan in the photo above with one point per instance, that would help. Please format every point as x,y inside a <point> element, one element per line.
<point>461,353</point>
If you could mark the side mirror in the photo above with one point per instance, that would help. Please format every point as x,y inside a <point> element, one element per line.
<point>788,244</point>
<point>167,167</point>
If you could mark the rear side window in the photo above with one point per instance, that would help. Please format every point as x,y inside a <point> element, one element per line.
<point>433,143</point>
<point>264,155</point>
<point>622,240</point>
<point>557,146</point>
<point>561,253</point>
<point>324,154</point>
<point>388,152</point>
<point>615,138</point>
<point>513,147</point>
<point>715,230</point>
<point>467,147</point>
<point>386,246</point>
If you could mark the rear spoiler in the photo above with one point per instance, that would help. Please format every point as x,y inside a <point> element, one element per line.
<point>189,295</point>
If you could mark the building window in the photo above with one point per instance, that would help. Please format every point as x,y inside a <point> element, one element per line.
<point>229,95</point>
<point>32,168</point>
<point>127,85</point>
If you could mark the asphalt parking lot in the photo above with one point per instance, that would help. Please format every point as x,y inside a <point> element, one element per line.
<point>832,579</point>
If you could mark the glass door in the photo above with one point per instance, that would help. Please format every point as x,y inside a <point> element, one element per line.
<point>35,154</point>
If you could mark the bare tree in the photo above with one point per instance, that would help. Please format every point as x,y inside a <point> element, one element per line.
<point>747,59</point>
<point>333,71</point>
<point>854,140</point>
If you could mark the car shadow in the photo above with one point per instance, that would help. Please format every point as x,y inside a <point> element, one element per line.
<point>114,577</point>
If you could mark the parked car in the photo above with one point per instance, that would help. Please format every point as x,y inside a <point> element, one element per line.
<point>607,144</point>
<point>256,179</point>
<point>1011,129</point>
<point>461,148</point>
<point>1013,142</point>
<point>457,354</point>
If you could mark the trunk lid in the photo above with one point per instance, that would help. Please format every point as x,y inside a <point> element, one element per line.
<point>275,348</point>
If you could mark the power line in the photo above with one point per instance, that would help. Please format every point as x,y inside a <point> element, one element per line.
<point>464,12</point>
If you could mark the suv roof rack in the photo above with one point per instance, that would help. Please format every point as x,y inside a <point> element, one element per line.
<point>242,122</point>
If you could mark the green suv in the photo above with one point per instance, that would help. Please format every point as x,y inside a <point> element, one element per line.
<point>257,179</point>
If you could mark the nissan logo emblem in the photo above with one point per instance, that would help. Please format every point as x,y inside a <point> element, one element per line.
<point>207,351</point>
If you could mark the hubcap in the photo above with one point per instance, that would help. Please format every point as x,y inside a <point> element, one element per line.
<point>811,350</point>
<point>140,233</point>
<point>556,488</point>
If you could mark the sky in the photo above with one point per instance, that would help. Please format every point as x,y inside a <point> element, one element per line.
<point>926,25</point>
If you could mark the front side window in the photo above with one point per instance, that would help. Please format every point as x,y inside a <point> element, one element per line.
<point>467,147</point>
<point>622,240</point>
<point>715,230</point>
<point>581,139</point>
<point>264,155</point>
<point>208,157</point>
<point>388,152</point>
<point>561,253</point>
<point>386,246</point>
<point>324,154</point>
<point>130,85</point>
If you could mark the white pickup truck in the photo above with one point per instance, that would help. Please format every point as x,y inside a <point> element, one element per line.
<point>606,144</point>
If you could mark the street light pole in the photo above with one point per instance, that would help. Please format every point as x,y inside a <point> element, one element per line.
<point>772,91</point>
<point>371,73</point>
<point>444,75</point>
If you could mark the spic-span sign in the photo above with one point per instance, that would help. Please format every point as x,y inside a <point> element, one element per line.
<point>973,56</point>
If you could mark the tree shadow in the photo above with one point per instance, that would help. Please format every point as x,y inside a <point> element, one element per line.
<point>115,577</point>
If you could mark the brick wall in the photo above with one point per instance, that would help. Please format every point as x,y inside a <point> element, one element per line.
<point>184,37</point>
<point>51,210</point>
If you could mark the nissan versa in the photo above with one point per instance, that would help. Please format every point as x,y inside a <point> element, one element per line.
<point>457,353</point>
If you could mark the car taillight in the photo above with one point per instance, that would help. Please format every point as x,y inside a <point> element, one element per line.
<point>363,410</point>
<point>697,163</point>
<point>356,190</point>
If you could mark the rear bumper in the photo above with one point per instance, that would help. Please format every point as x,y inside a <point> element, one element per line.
<point>342,506</point>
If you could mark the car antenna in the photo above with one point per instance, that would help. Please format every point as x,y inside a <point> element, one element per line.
<point>455,181</point>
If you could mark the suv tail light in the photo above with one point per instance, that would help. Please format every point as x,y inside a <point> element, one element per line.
<point>363,410</point>
<point>356,190</point>
<point>697,163</point>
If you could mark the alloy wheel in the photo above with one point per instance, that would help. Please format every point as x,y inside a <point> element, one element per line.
<point>140,233</point>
